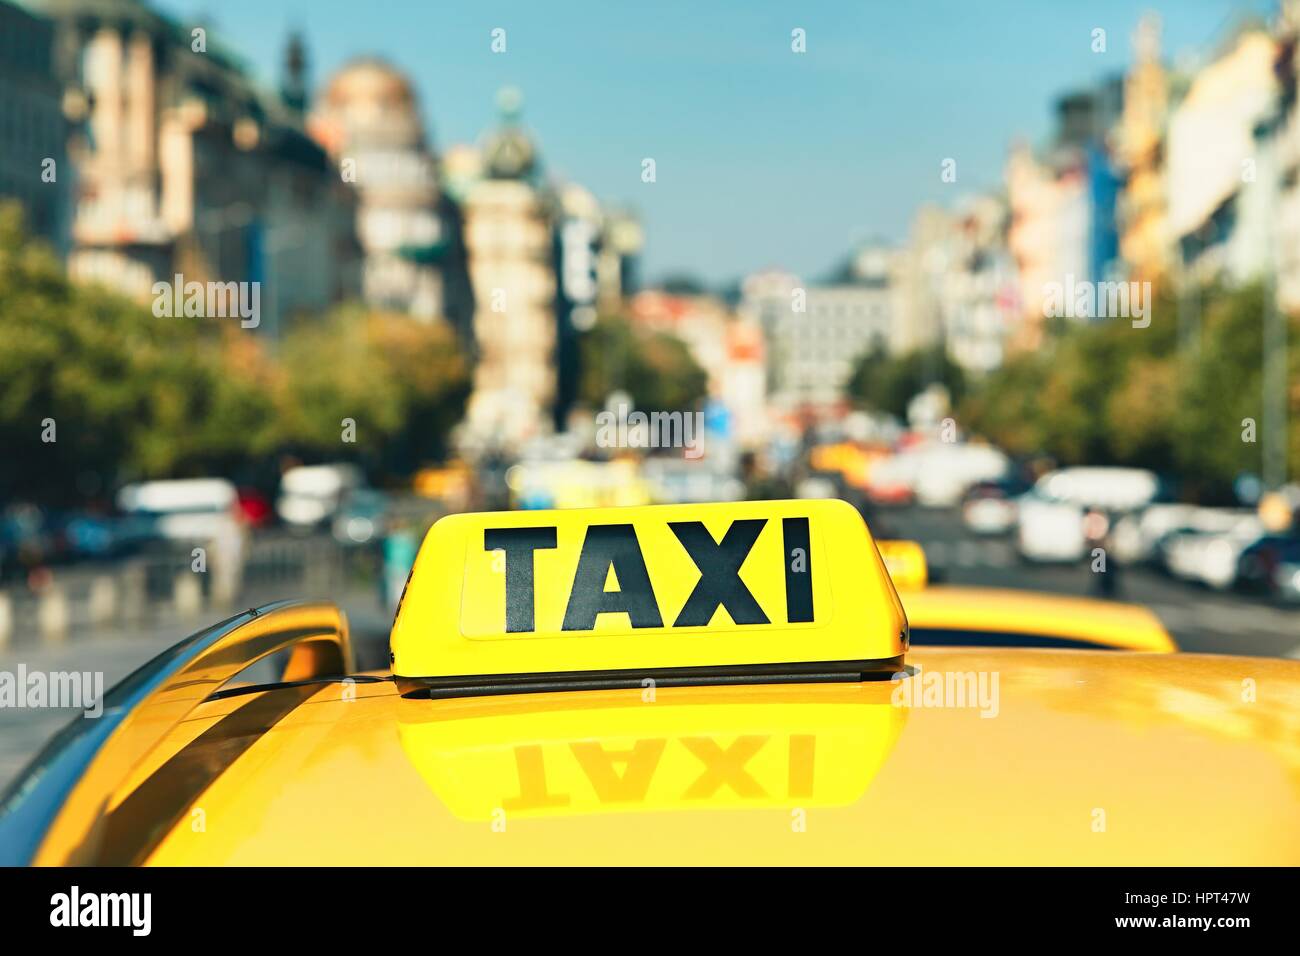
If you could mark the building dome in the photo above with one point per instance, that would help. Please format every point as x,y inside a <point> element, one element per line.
<point>368,103</point>
<point>372,83</point>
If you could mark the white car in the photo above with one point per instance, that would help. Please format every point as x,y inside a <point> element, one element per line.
<point>312,494</point>
<point>1049,530</point>
<point>1208,550</point>
<point>947,471</point>
<point>185,509</point>
<point>1136,535</point>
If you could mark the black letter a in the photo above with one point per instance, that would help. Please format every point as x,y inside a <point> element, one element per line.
<point>606,546</point>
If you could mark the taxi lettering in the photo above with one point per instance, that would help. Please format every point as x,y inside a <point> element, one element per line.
<point>615,548</point>
<point>613,596</point>
<point>621,775</point>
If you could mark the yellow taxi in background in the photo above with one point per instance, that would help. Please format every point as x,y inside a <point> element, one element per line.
<point>982,617</point>
<point>677,684</point>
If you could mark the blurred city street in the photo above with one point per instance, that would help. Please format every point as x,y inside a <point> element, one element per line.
<point>1200,620</point>
<point>277,296</point>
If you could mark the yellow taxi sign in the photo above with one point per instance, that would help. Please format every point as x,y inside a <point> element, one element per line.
<point>906,563</point>
<point>747,591</point>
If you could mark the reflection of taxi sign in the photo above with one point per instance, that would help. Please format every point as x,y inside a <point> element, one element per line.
<point>801,746</point>
<point>745,592</point>
<point>906,563</point>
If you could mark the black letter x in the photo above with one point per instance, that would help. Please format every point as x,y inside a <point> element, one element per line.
<point>719,566</point>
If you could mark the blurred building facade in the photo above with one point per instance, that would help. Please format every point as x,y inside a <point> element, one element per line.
<point>979,298</point>
<point>1138,141</point>
<point>816,332</point>
<point>1218,179</point>
<point>187,168</point>
<point>1063,202</point>
<point>1284,131</point>
<point>509,239</point>
<point>368,119</point>
<point>919,269</point>
<point>957,283</point>
<point>34,132</point>
<point>727,344</point>
<point>596,253</point>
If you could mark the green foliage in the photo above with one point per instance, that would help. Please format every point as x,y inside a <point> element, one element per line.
<point>1170,397</point>
<point>656,369</point>
<point>129,394</point>
<point>886,384</point>
<point>136,396</point>
<point>404,384</point>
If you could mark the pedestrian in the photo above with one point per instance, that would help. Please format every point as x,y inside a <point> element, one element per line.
<point>1097,538</point>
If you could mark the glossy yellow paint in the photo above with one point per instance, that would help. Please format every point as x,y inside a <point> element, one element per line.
<point>760,750</point>
<point>1005,611</point>
<point>315,638</point>
<point>1087,758</point>
<point>454,620</point>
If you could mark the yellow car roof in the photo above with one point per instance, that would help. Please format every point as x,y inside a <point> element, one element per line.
<point>1087,757</point>
<point>1008,611</point>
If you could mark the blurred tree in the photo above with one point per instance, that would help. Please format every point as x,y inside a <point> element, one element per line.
<point>887,384</point>
<point>130,395</point>
<point>1108,393</point>
<point>1221,382</point>
<point>656,369</point>
<point>436,381</point>
<point>1006,405</point>
<point>404,384</point>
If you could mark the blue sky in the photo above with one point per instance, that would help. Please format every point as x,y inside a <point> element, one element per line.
<point>764,157</point>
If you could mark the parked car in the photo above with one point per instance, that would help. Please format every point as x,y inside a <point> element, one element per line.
<point>1049,530</point>
<point>311,495</point>
<point>989,507</point>
<point>1264,566</point>
<point>360,517</point>
<point>1136,534</point>
<point>1205,548</point>
<point>184,510</point>
<point>947,471</point>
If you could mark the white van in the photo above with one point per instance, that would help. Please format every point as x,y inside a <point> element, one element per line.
<point>1110,489</point>
<point>185,509</point>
